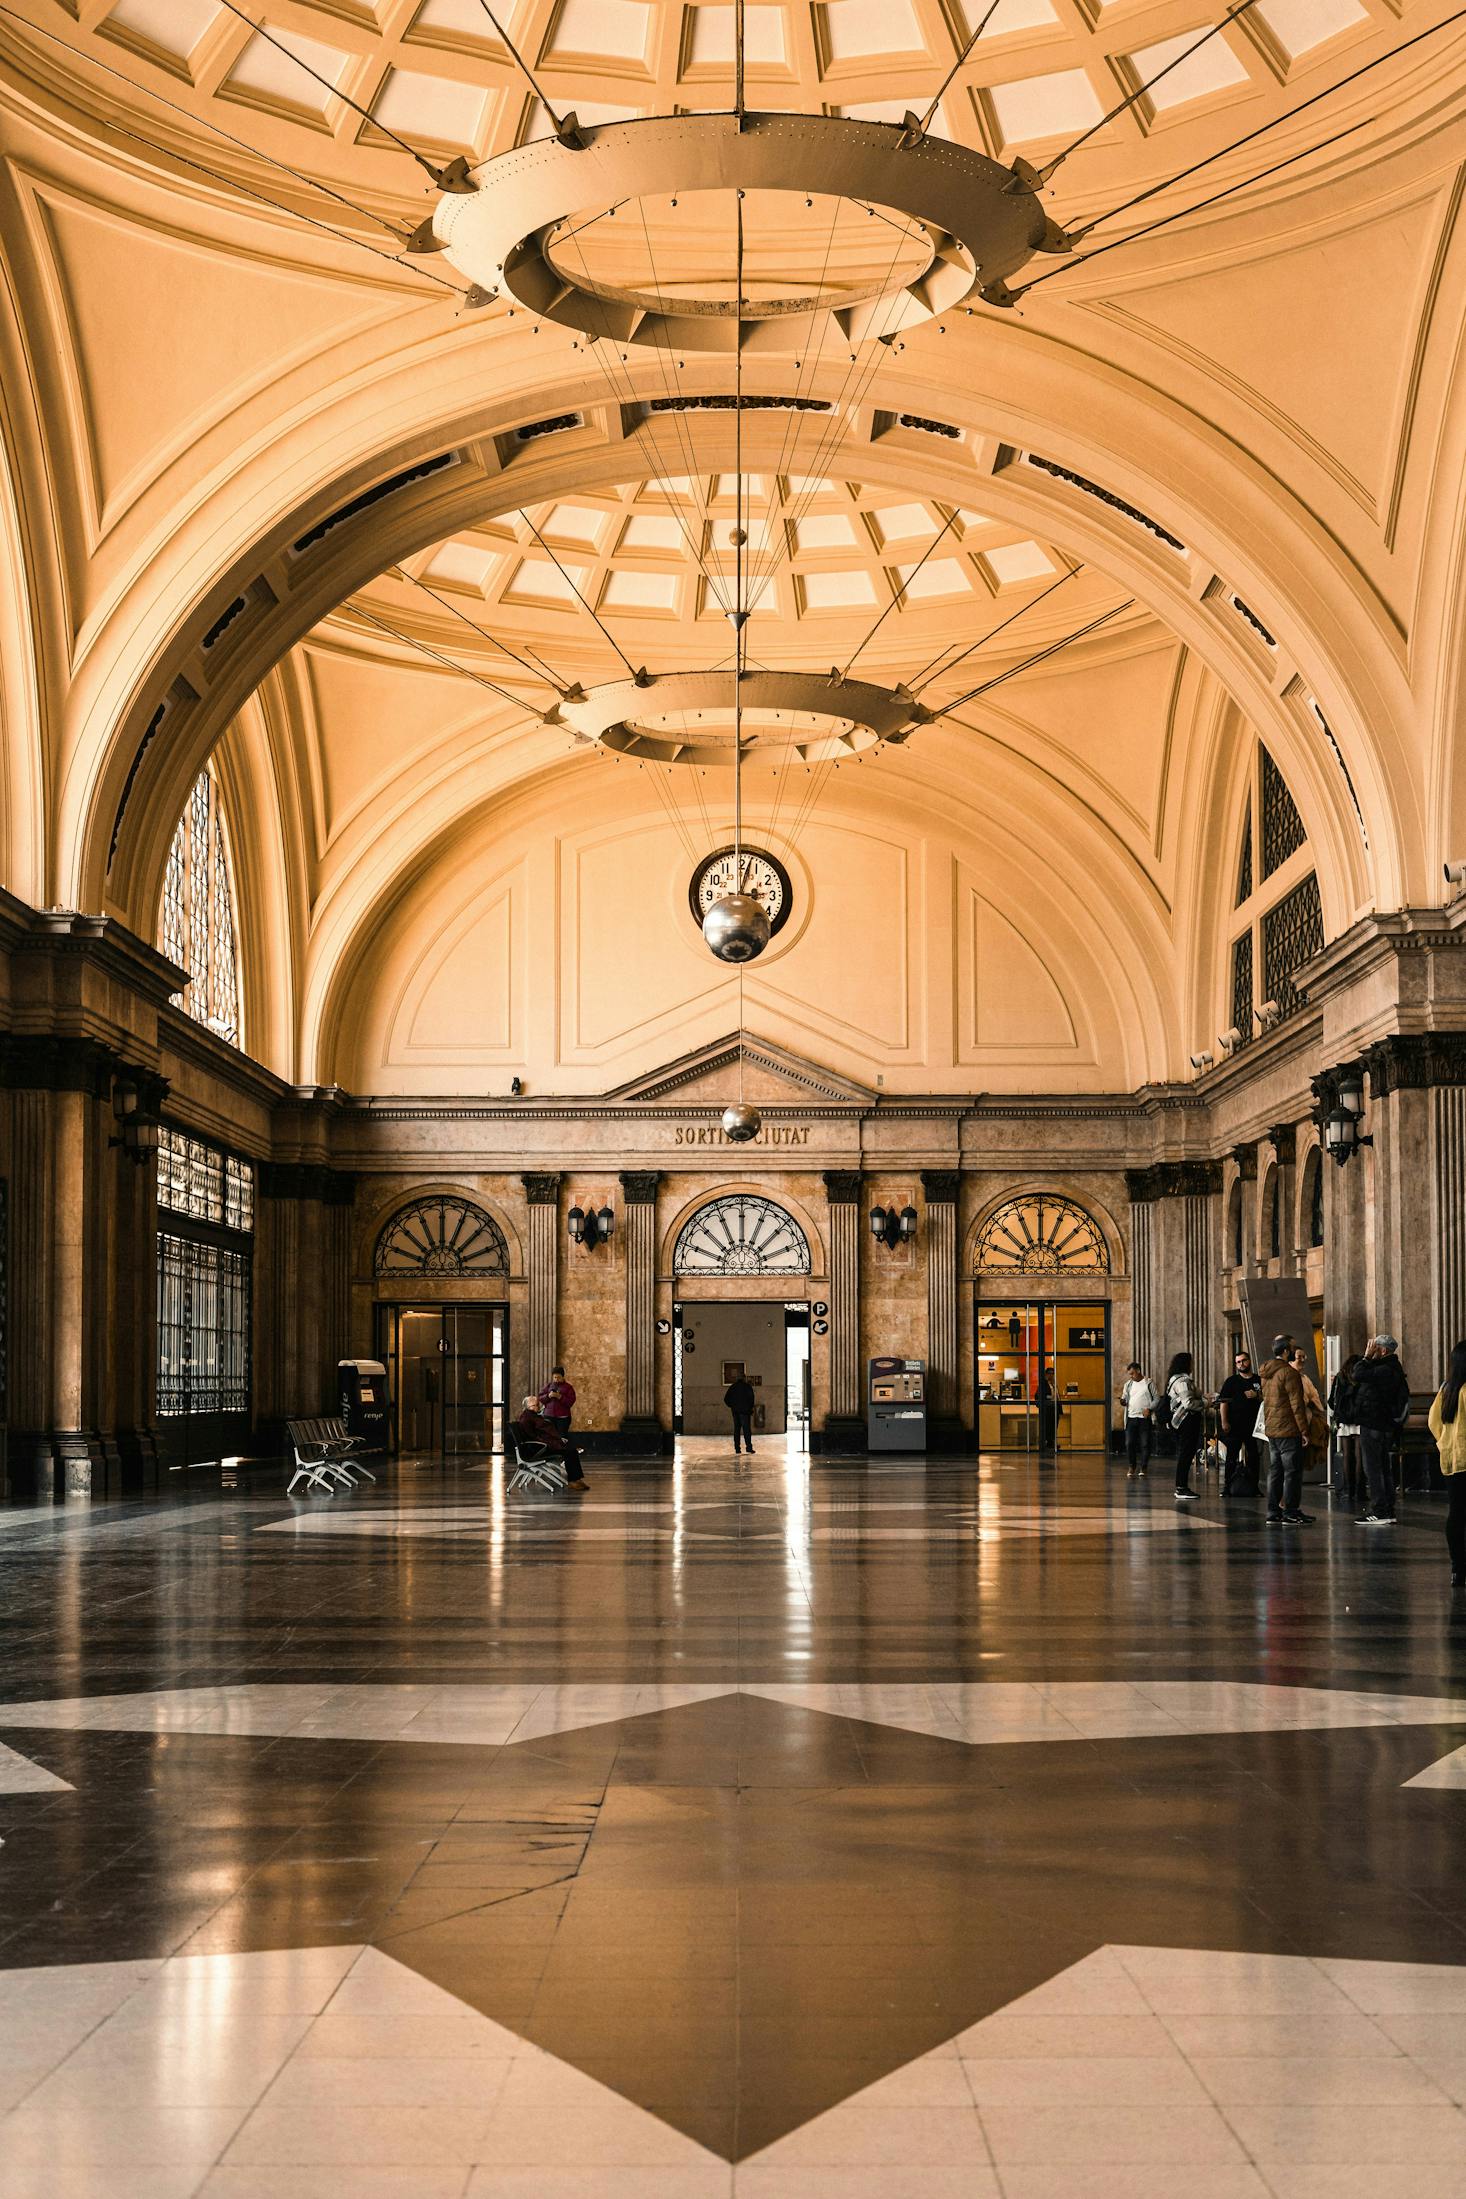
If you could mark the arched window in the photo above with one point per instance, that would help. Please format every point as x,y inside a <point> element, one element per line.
<point>196,928</point>
<point>1272,1218</point>
<point>1042,1234</point>
<point>740,1234</point>
<point>442,1236</point>
<point>1278,925</point>
<point>1313,1199</point>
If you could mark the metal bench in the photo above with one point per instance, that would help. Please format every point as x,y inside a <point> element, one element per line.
<point>323,1456</point>
<point>534,1467</point>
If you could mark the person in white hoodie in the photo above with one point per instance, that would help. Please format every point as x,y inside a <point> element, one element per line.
<point>1138,1401</point>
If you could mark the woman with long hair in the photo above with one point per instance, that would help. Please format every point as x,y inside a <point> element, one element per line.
<point>1448,1426</point>
<point>1188,1418</point>
<point>1346,1430</point>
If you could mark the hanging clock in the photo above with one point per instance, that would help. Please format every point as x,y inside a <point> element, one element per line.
<point>763,876</point>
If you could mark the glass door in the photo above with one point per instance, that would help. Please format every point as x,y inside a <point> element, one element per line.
<point>1042,1375</point>
<point>447,1370</point>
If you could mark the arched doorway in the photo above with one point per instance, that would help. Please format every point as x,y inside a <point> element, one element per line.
<point>737,1263</point>
<point>1041,1352</point>
<point>441,1269</point>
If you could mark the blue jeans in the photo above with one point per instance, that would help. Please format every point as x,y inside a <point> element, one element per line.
<point>1284,1473</point>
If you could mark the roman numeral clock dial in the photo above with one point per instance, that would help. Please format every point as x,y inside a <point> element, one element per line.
<point>763,876</point>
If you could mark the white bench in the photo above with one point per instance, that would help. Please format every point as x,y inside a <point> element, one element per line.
<point>323,1456</point>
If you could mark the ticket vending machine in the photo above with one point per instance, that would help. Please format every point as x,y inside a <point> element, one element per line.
<point>895,1405</point>
<point>365,1406</point>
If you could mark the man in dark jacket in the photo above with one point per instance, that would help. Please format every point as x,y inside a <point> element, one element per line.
<point>740,1401</point>
<point>1381,1401</point>
<point>532,1426</point>
<point>1285,1417</point>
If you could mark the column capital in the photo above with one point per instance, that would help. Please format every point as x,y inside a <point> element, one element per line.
<point>940,1186</point>
<point>306,1180</point>
<point>542,1188</point>
<point>843,1186</point>
<point>1246,1158</point>
<point>1283,1138</point>
<point>47,1062</point>
<point>1415,1061</point>
<point>639,1186</point>
<point>1173,1180</point>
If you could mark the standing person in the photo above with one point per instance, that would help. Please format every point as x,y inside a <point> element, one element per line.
<point>1318,1419</point>
<point>1238,1400</point>
<point>1188,1418</point>
<point>1344,1416</point>
<point>533,1426</point>
<point>557,1400</point>
<point>1285,1418</point>
<point>1138,1401</point>
<point>1048,1412</point>
<point>740,1401</point>
<point>1382,1399</point>
<point>1448,1426</point>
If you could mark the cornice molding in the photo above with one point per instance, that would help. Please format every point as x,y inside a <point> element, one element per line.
<point>1173,1180</point>
<point>307,1180</point>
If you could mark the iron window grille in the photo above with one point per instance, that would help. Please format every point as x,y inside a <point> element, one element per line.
<point>206,1201</point>
<point>1042,1234</point>
<point>1282,827</point>
<point>1242,986</point>
<point>441,1236</point>
<point>1292,933</point>
<point>741,1235</point>
<point>197,921</point>
<point>1244,868</point>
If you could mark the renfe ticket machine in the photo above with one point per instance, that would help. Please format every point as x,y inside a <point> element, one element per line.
<point>896,1405</point>
<point>364,1402</point>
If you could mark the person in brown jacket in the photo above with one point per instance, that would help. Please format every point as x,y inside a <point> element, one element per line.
<point>1285,1420</point>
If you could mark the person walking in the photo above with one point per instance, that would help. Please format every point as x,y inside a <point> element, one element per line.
<point>1285,1419</point>
<point>1382,1400</point>
<point>1138,1401</point>
<point>557,1400</point>
<point>740,1401</point>
<point>1318,1419</point>
<point>1344,1419</point>
<point>1448,1426</point>
<point>1237,1401</point>
<point>531,1425</point>
<point>1188,1418</point>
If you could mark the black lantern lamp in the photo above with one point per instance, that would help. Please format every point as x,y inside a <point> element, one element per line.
<point>1342,1135</point>
<point>590,1229</point>
<point>137,1125</point>
<point>890,1228</point>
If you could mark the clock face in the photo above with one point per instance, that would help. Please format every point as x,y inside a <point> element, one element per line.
<point>718,875</point>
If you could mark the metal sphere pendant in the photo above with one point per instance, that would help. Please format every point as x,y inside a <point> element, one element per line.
<point>736,928</point>
<point>741,1122</point>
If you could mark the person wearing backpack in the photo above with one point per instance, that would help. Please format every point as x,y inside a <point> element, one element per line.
<point>1187,1416</point>
<point>1382,1401</point>
<point>1344,1420</point>
<point>1137,1402</point>
<point>1448,1426</point>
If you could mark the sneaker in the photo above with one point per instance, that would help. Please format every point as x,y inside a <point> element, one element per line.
<point>1275,1519</point>
<point>1129,1473</point>
<point>1140,1473</point>
<point>1185,1496</point>
<point>1378,1519</point>
<point>1298,1519</point>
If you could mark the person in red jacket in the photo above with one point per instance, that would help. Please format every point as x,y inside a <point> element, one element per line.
<point>557,1400</point>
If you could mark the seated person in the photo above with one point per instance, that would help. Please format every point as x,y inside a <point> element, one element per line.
<point>531,1426</point>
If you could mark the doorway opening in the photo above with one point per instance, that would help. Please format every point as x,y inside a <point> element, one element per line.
<point>1043,1374</point>
<point>447,1373</point>
<point>764,1340</point>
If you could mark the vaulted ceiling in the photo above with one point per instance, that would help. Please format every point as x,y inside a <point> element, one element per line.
<point>276,491</point>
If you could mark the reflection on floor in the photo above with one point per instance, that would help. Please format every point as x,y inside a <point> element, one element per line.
<point>991,1844</point>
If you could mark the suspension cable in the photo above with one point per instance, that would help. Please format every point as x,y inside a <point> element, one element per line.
<point>580,599</point>
<point>1039,656</point>
<point>261,31</point>
<point>439,656</point>
<point>925,123</point>
<point>539,671</point>
<point>920,678</point>
<point>524,69</point>
<point>1052,167</point>
<point>901,590</point>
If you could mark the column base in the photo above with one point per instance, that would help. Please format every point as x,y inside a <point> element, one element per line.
<point>948,1437</point>
<point>50,1466</point>
<point>839,1433</point>
<point>139,1469</point>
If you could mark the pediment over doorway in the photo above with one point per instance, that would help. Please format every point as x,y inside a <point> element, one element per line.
<point>709,1077</point>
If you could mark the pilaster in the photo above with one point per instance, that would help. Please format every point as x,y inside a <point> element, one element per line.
<point>542,1275</point>
<point>845,1419</point>
<point>639,1219</point>
<point>940,1187</point>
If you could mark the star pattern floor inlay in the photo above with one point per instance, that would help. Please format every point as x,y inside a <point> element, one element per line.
<point>1049,1864</point>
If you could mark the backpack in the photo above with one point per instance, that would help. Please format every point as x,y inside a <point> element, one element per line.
<point>1162,1412</point>
<point>1344,1401</point>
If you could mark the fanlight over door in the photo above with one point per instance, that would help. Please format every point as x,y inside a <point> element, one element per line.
<point>442,1236</point>
<point>1041,1234</point>
<point>741,1235</point>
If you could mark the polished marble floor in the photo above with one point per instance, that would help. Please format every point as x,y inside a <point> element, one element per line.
<point>886,1831</point>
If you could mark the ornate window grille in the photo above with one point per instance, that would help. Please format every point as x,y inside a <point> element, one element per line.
<point>1042,1234</point>
<point>196,925</point>
<point>1242,986</point>
<point>1315,1200</point>
<point>1282,827</point>
<point>1292,933</point>
<point>205,1277</point>
<point>1244,868</point>
<point>741,1235</point>
<point>442,1236</point>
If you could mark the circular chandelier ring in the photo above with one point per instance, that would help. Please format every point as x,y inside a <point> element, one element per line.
<point>864,713</point>
<point>982,222</point>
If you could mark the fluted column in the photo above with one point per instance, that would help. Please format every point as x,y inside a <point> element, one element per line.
<point>845,1420</point>
<point>939,1189</point>
<point>1174,1256</point>
<point>542,1275</point>
<point>639,1224</point>
<point>1449,1127</point>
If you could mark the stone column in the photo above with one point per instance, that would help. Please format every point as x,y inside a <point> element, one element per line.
<point>542,1276</point>
<point>1246,1158</point>
<point>845,1420</point>
<point>639,1223</point>
<point>302,1293</point>
<point>1174,1234</point>
<point>1416,1255</point>
<point>1283,1138</point>
<point>940,1187</point>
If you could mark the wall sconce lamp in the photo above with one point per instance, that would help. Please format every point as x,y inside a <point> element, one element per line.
<point>890,1228</point>
<point>1342,1135</point>
<point>590,1229</point>
<point>1202,1061</point>
<point>1268,1012</point>
<point>139,1130</point>
<point>1229,1041</point>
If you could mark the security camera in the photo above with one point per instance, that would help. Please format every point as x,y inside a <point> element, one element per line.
<point>1202,1061</point>
<point>1229,1041</point>
<point>1268,1012</point>
<point>516,1087</point>
<point>1455,879</point>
